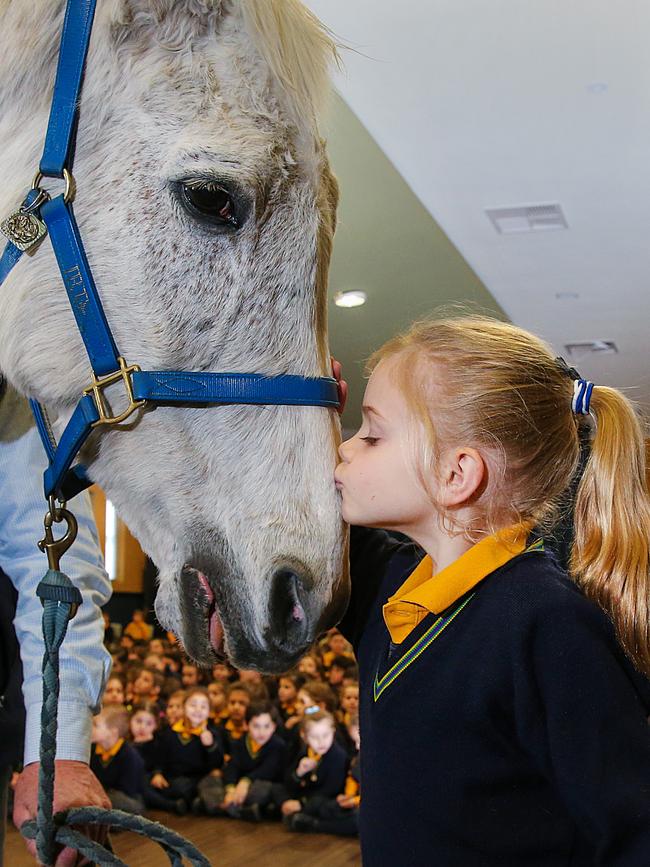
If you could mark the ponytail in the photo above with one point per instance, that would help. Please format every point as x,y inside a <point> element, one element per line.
<point>610,558</point>
<point>499,389</point>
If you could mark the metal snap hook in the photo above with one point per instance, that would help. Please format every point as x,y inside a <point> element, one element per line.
<point>56,548</point>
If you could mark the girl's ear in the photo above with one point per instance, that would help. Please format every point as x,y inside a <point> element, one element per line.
<point>463,473</point>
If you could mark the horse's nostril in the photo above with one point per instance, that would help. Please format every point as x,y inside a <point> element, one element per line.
<point>288,618</point>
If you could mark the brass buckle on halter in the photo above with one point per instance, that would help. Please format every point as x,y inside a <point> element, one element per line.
<point>99,384</point>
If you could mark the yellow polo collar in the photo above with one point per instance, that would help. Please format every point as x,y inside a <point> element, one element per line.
<point>424,593</point>
<point>107,755</point>
<point>184,728</point>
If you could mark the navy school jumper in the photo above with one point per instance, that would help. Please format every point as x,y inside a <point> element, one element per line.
<point>266,764</point>
<point>327,780</point>
<point>123,772</point>
<point>178,757</point>
<point>516,736</point>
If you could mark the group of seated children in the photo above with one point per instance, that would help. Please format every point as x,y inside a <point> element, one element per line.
<point>242,745</point>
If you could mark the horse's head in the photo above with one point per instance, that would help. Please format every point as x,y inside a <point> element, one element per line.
<point>207,209</point>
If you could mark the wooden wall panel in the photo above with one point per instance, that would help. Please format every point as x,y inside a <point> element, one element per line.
<point>130,556</point>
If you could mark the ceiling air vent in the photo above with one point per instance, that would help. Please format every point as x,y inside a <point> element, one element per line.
<point>586,347</point>
<point>527,218</point>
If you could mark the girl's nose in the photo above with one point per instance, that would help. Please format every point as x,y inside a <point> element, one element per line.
<point>344,450</point>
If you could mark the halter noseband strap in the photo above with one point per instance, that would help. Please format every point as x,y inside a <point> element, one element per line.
<point>108,367</point>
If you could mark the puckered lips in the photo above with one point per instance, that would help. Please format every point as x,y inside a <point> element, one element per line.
<point>204,606</point>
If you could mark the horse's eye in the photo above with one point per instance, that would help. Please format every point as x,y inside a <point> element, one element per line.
<point>210,204</point>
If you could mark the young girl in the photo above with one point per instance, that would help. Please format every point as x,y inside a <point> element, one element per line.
<point>503,705</point>
<point>288,686</point>
<point>309,667</point>
<point>188,761</point>
<point>317,772</point>
<point>174,709</point>
<point>115,692</point>
<point>218,701</point>
<point>143,727</point>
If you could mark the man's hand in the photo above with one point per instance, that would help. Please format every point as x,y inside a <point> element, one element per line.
<point>75,785</point>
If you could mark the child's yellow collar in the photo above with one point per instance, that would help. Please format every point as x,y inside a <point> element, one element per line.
<point>424,592</point>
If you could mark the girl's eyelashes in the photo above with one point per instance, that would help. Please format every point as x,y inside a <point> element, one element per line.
<point>370,440</point>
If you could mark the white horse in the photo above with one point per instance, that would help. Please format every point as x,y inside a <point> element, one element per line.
<point>207,208</point>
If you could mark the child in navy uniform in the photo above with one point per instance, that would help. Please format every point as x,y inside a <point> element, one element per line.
<point>257,762</point>
<point>503,705</point>
<point>319,770</point>
<point>116,764</point>
<point>340,815</point>
<point>189,758</point>
<point>233,726</point>
<point>143,727</point>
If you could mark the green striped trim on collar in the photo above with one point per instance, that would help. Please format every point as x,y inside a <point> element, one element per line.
<point>417,650</point>
<point>380,685</point>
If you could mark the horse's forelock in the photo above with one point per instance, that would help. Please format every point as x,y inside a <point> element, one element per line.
<point>298,50</point>
<point>173,24</point>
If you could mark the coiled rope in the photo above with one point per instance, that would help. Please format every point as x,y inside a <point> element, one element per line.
<point>60,599</point>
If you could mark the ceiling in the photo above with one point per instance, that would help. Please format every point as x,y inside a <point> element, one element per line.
<point>450,107</point>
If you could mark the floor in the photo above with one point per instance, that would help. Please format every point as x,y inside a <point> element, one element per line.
<point>225,842</point>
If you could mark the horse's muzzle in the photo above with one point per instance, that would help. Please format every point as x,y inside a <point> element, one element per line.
<point>216,621</point>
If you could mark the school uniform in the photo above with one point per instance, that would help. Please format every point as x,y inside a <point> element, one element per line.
<point>231,734</point>
<point>501,722</point>
<point>329,657</point>
<point>261,765</point>
<point>186,764</point>
<point>326,816</point>
<point>286,710</point>
<point>325,781</point>
<point>256,762</point>
<point>120,770</point>
<point>148,751</point>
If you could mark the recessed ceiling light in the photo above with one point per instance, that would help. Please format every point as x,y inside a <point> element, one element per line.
<point>353,298</point>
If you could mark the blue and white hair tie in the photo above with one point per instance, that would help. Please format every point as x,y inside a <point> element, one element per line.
<point>582,389</point>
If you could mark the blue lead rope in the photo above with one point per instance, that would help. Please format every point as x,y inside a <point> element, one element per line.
<point>60,599</point>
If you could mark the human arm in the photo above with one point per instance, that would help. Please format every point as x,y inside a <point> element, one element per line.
<point>83,660</point>
<point>84,663</point>
<point>373,553</point>
<point>213,746</point>
<point>133,773</point>
<point>271,764</point>
<point>305,765</point>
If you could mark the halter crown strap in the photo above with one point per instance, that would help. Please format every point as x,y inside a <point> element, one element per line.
<point>75,38</point>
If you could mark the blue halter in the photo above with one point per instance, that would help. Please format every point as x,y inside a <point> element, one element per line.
<point>38,215</point>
